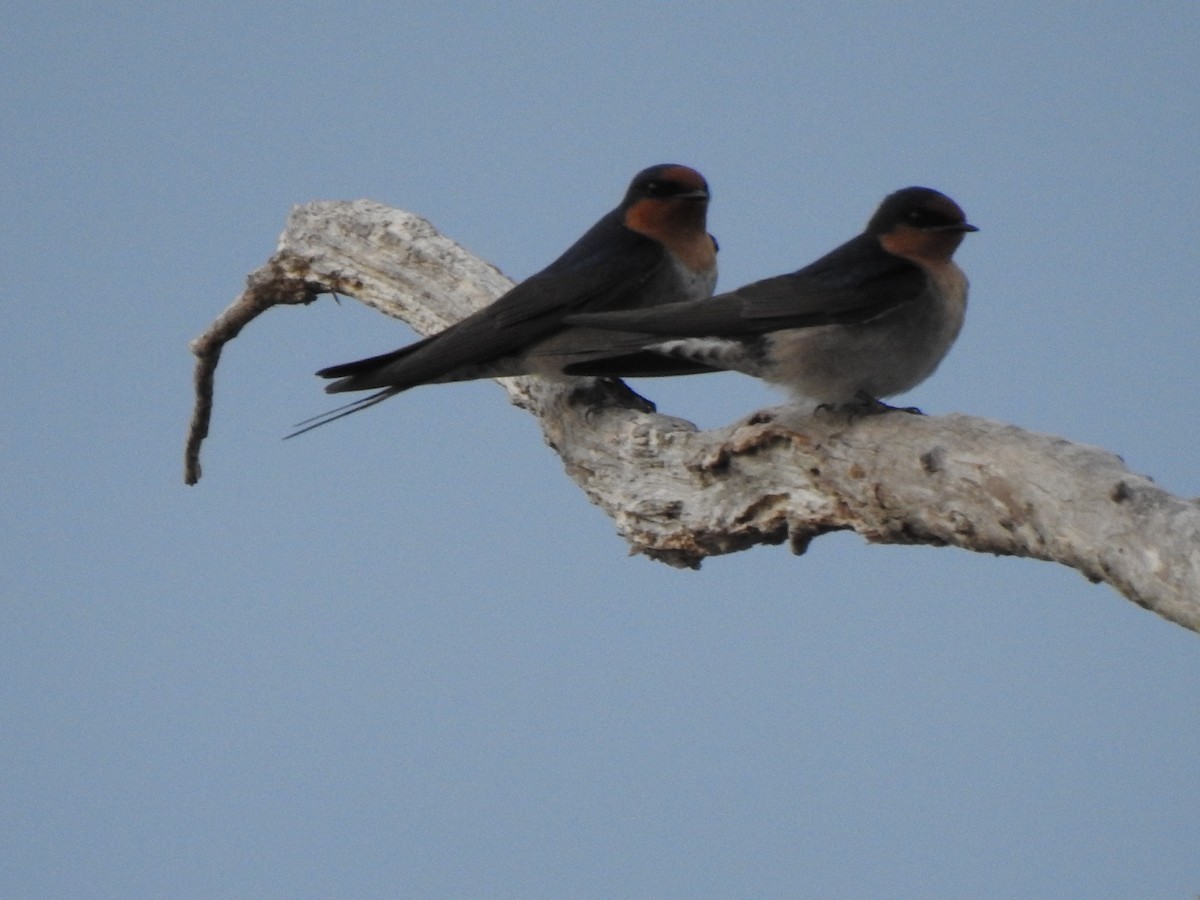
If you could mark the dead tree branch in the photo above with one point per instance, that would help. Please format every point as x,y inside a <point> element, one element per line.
<point>678,494</point>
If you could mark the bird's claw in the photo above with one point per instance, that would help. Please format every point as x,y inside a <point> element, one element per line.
<point>611,392</point>
<point>864,404</point>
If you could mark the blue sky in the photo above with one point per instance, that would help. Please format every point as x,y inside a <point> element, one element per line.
<point>403,656</point>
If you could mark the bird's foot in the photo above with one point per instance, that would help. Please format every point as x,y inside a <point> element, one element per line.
<point>864,404</point>
<point>611,392</point>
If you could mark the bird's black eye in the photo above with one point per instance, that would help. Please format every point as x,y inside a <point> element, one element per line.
<point>670,188</point>
<point>922,217</point>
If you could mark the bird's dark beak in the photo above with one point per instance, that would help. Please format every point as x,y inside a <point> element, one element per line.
<point>693,195</point>
<point>964,227</point>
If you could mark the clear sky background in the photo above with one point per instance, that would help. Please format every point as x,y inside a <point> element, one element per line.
<point>402,655</point>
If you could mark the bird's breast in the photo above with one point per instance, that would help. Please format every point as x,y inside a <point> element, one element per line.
<point>694,282</point>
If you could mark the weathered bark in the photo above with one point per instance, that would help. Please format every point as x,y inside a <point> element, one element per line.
<point>679,494</point>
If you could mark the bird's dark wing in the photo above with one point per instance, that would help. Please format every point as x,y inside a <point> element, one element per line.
<point>601,271</point>
<point>606,269</point>
<point>852,284</point>
<point>639,364</point>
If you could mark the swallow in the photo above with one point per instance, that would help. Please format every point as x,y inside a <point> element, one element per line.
<point>871,319</point>
<point>653,249</point>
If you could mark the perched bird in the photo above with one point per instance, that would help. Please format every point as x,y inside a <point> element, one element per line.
<point>652,249</point>
<point>871,319</point>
